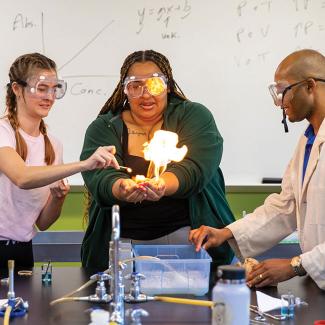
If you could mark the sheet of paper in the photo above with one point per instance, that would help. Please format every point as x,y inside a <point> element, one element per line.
<point>266,303</point>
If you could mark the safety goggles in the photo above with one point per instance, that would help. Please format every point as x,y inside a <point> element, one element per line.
<point>155,84</point>
<point>279,90</point>
<point>43,86</point>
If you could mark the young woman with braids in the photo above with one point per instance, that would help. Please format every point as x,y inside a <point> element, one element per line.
<point>32,190</point>
<point>188,194</point>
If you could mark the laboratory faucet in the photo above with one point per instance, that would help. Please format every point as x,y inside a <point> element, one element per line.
<point>116,286</point>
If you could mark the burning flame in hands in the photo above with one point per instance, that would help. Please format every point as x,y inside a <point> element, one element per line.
<point>162,149</point>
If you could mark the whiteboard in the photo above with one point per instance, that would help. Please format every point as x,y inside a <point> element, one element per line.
<point>223,54</point>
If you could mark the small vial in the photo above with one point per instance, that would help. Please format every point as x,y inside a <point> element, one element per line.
<point>299,302</point>
<point>46,271</point>
<point>288,305</point>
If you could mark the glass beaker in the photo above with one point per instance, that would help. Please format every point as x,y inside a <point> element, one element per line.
<point>46,271</point>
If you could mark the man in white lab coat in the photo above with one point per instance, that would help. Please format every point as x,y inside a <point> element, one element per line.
<point>299,89</point>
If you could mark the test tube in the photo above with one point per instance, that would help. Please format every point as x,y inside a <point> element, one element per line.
<point>288,305</point>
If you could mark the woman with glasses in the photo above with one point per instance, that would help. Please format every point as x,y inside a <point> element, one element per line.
<point>32,186</point>
<point>189,193</point>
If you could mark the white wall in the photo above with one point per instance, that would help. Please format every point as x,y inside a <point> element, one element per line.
<point>223,54</point>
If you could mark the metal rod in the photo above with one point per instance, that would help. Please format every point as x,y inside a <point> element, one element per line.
<point>117,291</point>
<point>11,292</point>
<point>255,310</point>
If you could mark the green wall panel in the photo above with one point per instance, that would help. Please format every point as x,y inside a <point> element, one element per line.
<point>72,212</point>
<point>247,202</point>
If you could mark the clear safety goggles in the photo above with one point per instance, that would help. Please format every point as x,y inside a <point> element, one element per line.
<point>155,84</point>
<point>43,86</point>
<point>280,90</point>
<point>276,93</point>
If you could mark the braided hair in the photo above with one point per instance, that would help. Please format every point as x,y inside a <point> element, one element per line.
<point>23,67</point>
<point>118,98</point>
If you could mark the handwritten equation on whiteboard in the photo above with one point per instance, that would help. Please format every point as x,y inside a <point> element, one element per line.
<point>305,27</point>
<point>253,27</point>
<point>163,16</point>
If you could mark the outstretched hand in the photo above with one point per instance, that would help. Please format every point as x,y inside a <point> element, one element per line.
<point>60,190</point>
<point>155,189</point>
<point>270,272</point>
<point>103,157</point>
<point>207,237</point>
<point>129,191</point>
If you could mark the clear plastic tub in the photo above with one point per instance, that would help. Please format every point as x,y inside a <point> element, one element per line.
<point>179,270</point>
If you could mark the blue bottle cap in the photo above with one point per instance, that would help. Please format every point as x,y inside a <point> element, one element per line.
<point>231,272</point>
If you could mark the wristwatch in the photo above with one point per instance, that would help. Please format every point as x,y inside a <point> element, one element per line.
<point>296,264</point>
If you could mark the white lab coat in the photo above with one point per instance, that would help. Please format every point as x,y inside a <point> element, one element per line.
<point>300,206</point>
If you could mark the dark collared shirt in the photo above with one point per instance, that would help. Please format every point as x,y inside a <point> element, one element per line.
<point>310,135</point>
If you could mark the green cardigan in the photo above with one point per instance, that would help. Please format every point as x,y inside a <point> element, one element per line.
<point>200,178</point>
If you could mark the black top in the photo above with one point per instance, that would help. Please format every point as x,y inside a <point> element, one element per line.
<point>150,220</point>
<point>231,272</point>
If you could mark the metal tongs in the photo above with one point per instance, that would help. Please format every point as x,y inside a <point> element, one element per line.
<point>255,310</point>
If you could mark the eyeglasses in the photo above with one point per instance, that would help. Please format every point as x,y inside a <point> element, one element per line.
<point>278,91</point>
<point>43,86</point>
<point>135,86</point>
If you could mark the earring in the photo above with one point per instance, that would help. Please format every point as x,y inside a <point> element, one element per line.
<point>125,103</point>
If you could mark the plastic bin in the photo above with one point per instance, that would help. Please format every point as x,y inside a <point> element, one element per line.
<point>180,269</point>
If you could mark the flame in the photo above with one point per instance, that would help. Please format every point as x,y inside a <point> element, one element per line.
<point>161,150</point>
<point>139,178</point>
